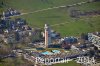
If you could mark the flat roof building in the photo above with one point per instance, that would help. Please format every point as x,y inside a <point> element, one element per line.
<point>94,39</point>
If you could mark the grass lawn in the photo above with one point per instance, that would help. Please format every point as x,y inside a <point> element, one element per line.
<point>50,49</point>
<point>71,63</point>
<point>19,61</point>
<point>7,62</point>
<point>31,5</point>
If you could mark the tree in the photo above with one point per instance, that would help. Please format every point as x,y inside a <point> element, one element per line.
<point>4,52</point>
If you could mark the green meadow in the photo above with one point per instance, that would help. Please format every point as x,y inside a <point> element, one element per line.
<point>57,18</point>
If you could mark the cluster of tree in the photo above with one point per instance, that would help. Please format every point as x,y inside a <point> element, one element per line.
<point>2,3</point>
<point>4,51</point>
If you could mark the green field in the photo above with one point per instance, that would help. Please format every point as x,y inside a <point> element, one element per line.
<point>69,26</point>
<point>70,63</point>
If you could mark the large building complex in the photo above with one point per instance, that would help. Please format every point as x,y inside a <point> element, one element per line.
<point>95,39</point>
